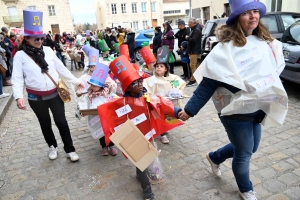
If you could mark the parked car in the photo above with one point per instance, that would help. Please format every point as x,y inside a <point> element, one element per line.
<point>291,52</point>
<point>209,39</point>
<point>140,37</point>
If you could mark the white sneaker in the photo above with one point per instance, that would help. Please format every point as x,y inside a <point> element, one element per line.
<point>248,195</point>
<point>73,156</point>
<point>53,153</point>
<point>3,95</point>
<point>214,168</point>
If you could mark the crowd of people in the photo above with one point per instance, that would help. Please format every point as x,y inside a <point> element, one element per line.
<point>148,92</point>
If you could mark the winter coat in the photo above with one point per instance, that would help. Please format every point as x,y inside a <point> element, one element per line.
<point>181,35</point>
<point>157,41</point>
<point>130,38</point>
<point>14,45</point>
<point>8,48</point>
<point>110,40</point>
<point>194,40</point>
<point>57,46</point>
<point>168,42</point>
<point>49,43</point>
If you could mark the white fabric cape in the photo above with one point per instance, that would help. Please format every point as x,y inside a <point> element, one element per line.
<point>253,68</point>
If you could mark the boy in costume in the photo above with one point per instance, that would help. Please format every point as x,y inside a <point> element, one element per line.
<point>151,114</point>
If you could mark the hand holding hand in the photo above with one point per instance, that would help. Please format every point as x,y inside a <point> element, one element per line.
<point>21,104</point>
<point>183,116</point>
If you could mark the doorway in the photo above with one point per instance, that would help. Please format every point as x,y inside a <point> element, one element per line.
<point>55,29</point>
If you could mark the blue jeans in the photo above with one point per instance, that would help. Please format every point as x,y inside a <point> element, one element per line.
<point>61,57</point>
<point>244,137</point>
<point>73,62</point>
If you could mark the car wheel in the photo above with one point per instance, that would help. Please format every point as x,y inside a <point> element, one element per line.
<point>138,56</point>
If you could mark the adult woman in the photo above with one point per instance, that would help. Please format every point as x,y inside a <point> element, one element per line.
<point>157,40</point>
<point>168,42</point>
<point>59,47</point>
<point>130,41</point>
<point>31,62</point>
<point>241,74</point>
<point>110,39</point>
<point>13,38</point>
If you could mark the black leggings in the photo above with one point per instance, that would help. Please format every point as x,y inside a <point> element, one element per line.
<point>102,142</point>
<point>57,107</point>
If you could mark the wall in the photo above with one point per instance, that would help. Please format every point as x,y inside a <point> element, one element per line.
<point>176,5</point>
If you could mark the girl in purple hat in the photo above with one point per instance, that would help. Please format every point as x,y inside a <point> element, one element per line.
<point>241,75</point>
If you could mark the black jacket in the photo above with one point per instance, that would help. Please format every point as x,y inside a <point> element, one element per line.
<point>57,47</point>
<point>91,41</point>
<point>130,37</point>
<point>157,41</point>
<point>181,35</point>
<point>194,40</point>
<point>8,48</point>
<point>49,43</point>
<point>110,40</point>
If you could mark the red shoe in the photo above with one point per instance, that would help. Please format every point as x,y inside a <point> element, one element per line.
<point>113,150</point>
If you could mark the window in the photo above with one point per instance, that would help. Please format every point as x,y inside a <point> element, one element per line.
<point>134,10</point>
<point>32,7</point>
<point>145,24</point>
<point>51,10</point>
<point>153,6</point>
<point>144,4</point>
<point>113,8</point>
<point>172,11</point>
<point>288,20</point>
<point>270,22</point>
<point>123,7</point>
<point>136,25</point>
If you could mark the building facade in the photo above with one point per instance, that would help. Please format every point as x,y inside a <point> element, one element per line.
<point>209,9</point>
<point>56,14</point>
<point>137,15</point>
<point>173,10</point>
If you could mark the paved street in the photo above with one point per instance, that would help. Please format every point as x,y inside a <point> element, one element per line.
<point>27,173</point>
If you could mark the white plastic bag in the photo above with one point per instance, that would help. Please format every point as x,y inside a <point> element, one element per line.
<point>94,126</point>
<point>155,171</point>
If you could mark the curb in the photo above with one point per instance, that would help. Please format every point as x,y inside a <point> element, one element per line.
<point>7,103</point>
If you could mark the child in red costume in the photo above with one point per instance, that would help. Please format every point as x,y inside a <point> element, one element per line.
<point>153,115</point>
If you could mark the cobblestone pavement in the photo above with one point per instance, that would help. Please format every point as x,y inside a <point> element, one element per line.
<point>27,173</point>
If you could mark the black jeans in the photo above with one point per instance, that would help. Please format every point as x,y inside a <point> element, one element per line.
<point>81,64</point>
<point>186,70</point>
<point>57,107</point>
<point>102,142</point>
<point>142,177</point>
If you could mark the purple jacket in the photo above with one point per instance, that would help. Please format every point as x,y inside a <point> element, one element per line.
<point>169,42</point>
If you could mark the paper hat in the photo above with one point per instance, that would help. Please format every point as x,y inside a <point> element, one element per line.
<point>93,56</point>
<point>87,32</point>
<point>33,23</point>
<point>163,55</point>
<point>78,42</point>
<point>124,51</point>
<point>99,75</point>
<point>124,71</point>
<point>103,46</point>
<point>147,55</point>
<point>238,7</point>
<point>86,48</point>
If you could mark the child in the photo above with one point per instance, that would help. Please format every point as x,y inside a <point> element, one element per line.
<point>99,92</point>
<point>149,111</point>
<point>79,53</point>
<point>185,60</point>
<point>163,83</point>
<point>70,51</point>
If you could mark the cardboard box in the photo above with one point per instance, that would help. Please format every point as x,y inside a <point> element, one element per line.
<point>89,112</point>
<point>131,141</point>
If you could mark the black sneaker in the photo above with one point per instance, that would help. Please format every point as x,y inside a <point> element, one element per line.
<point>147,192</point>
<point>182,76</point>
<point>191,83</point>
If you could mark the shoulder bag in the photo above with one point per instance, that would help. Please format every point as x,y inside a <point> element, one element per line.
<point>62,89</point>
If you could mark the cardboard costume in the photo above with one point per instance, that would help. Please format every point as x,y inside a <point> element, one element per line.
<point>152,115</point>
<point>253,68</point>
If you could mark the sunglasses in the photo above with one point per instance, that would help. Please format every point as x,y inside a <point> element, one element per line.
<point>38,39</point>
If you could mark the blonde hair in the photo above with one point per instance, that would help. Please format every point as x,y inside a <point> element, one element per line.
<point>235,33</point>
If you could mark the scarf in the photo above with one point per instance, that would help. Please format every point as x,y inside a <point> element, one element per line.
<point>38,55</point>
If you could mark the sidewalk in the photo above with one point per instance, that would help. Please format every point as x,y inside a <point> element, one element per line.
<point>5,102</point>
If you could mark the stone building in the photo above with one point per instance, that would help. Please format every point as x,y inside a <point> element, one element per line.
<point>173,10</point>
<point>208,9</point>
<point>56,13</point>
<point>129,13</point>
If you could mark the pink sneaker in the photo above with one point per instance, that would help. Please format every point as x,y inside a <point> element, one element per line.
<point>113,150</point>
<point>105,151</point>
